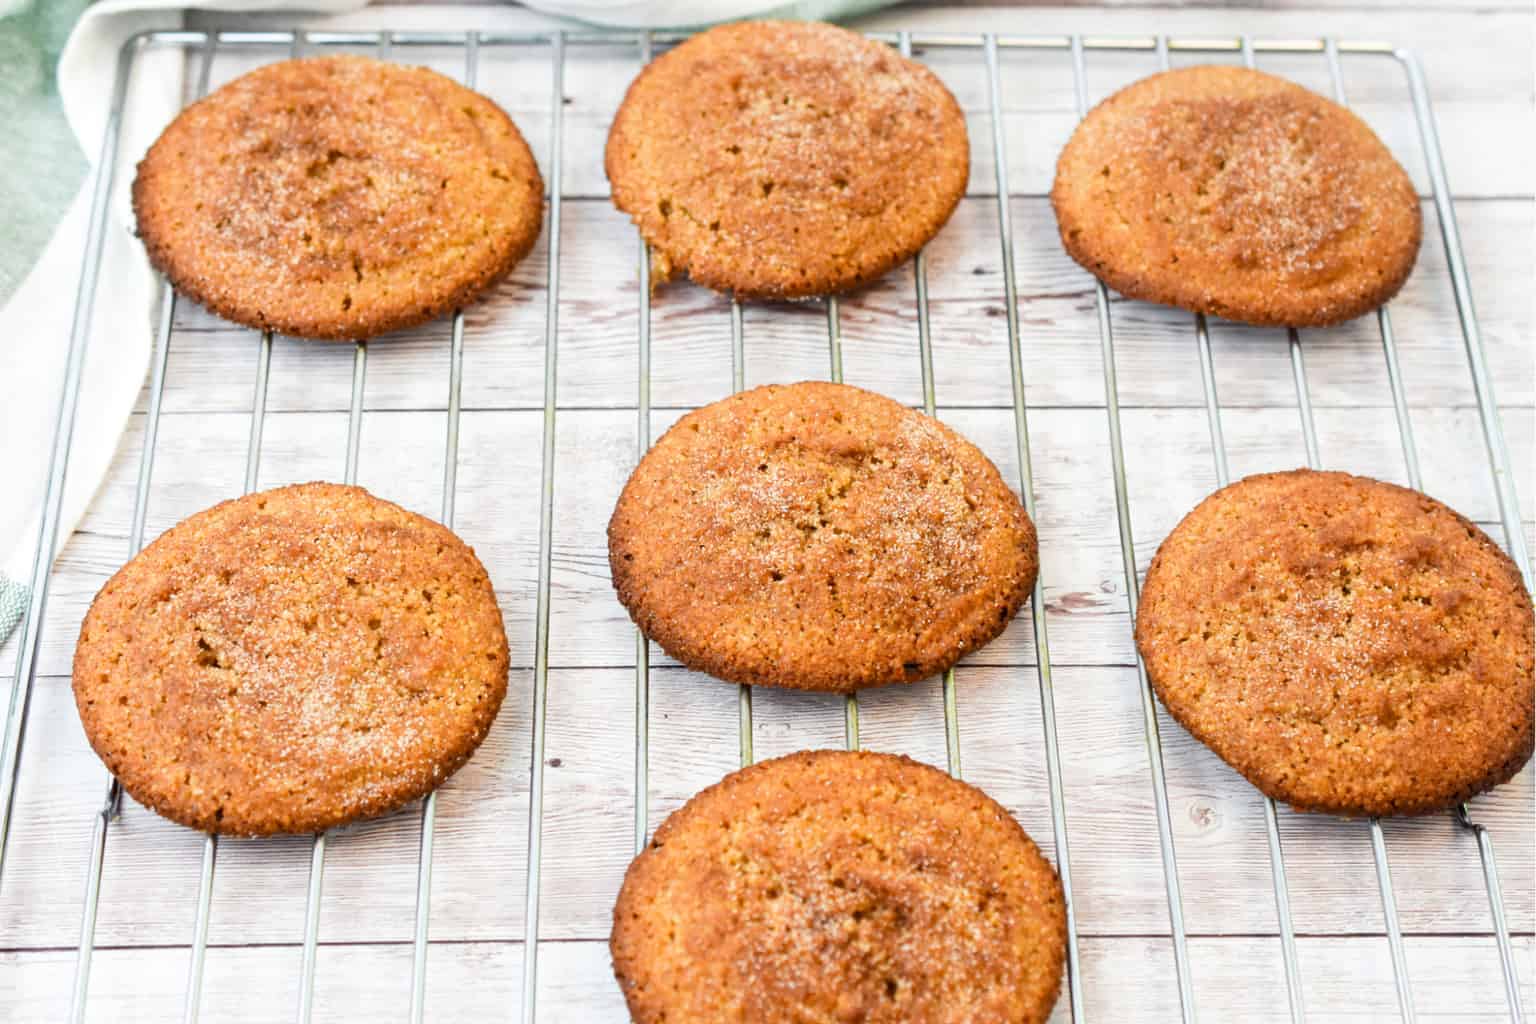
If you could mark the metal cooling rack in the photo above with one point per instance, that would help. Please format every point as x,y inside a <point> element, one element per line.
<point>557,44</point>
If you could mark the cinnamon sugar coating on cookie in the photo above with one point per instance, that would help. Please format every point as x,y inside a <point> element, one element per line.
<point>779,160</point>
<point>290,661</point>
<point>1348,645</point>
<point>1238,194</point>
<point>840,886</point>
<point>821,537</point>
<point>338,197</point>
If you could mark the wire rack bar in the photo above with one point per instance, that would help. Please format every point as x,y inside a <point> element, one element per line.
<point>739,383</point>
<point>192,1004</point>
<point>1394,927</point>
<point>1500,464</point>
<point>1128,559</point>
<point>835,356</point>
<point>1027,490</point>
<point>923,39</point>
<point>835,338</point>
<point>211,842</point>
<point>423,919</point>
<point>558,42</point>
<point>1293,985</point>
<point>311,947</point>
<point>1477,360</point>
<point>1498,458</point>
<point>738,349</point>
<point>1279,882</point>
<point>904,43</point>
<point>355,410</point>
<point>1378,838</point>
<point>112,802</point>
<point>311,950</point>
<point>642,445</point>
<point>1496,910</point>
<point>199,953</point>
<point>113,799</point>
<point>546,534</point>
<point>58,464</point>
<point>314,892</point>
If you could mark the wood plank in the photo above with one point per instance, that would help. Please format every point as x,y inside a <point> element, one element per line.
<point>369,894</point>
<point>212,362</point>
<point>1125,980</point>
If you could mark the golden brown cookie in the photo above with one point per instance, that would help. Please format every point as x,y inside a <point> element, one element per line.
<point>840,886</point>
<point>1238,194</point>
<point>779,160</point>
<point>820,537</point>
<point>291,660</point>
<point>1348,645</point>
<point>338,197</point>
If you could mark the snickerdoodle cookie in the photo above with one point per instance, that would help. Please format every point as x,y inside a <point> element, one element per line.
<point>338,197</point>
<point>1349,645</point>
<point>1238,194</point>
<point>821,537</point>
<point>833,885</point>
<point>291,660</point>
<point>779,160</point>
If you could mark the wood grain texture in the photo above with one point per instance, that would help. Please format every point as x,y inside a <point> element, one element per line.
<point>1125,979</point>
<point>480,868</point>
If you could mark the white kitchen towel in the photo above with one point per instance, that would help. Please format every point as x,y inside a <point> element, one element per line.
<point>35,324</point>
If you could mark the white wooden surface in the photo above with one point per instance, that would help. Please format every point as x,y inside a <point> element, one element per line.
<point>1479,67</point>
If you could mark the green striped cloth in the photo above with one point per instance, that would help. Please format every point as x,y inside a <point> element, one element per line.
<point>43,166</point>
<point>13,604</point>
<point>42,169</point>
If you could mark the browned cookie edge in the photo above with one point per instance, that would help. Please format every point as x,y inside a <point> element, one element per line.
<point>628,952</point>
<point>453,757</point>
<point>191,278</point>
<point>1078,239</point>
<point>702,655</point>
<point>631,193</point>
<point>1182,712</point>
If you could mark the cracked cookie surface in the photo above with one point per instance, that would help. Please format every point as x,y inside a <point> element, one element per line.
<point>834,885</point>
<point>290,661</point>
<point>780,160</point>
<point>1237,194</point>
<point>820,537</point>
<point>338,197</point>
<point>1348,645</point>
